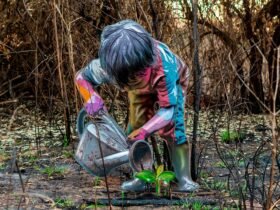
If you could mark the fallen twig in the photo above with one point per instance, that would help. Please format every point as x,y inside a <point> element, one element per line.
<point>9,101</point>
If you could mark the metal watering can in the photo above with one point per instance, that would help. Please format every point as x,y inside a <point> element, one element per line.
<point>103,146</point>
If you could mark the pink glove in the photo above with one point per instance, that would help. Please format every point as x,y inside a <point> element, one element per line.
<point>139,134</point>
<point>94,105</point>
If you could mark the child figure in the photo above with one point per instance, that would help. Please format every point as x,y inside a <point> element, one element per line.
<point>151,74</point>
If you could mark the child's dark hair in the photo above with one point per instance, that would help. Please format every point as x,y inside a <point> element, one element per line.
<point>126,48</point>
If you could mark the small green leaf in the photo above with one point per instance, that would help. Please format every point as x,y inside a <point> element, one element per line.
<point>159,170</point>
<point>146,176</point>
<point>167,176</point>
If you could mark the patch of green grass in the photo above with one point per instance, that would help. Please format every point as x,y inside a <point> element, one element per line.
<point>52,170</point>
<point>216,185</point>
<point>197,206</point>
<point>219,185</point>
<point>63,203</point>
<point>228,136</point>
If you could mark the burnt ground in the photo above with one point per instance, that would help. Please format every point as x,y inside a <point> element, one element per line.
<point>76,189</point>
<point>46,175</point>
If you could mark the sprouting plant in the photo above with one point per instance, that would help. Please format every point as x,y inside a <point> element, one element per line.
<point>158,178</point>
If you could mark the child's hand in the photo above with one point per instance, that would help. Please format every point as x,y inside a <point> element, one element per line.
<point>139,134</point>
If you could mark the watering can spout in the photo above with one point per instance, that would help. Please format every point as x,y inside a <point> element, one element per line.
<point>111,161</point>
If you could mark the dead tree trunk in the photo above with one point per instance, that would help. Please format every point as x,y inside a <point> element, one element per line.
<point>255,60</point>
<point>272,62</point>
<point>197,84</point>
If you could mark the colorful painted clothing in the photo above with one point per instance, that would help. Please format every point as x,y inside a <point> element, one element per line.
<point>161,85</point>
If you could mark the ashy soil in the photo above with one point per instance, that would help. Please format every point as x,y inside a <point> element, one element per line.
<point>38,171</point>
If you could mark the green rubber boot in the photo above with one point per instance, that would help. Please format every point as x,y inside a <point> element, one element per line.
<point>180,158</point>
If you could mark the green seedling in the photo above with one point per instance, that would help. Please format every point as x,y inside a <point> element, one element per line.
<point>228,136</point>
<point>158,178</point>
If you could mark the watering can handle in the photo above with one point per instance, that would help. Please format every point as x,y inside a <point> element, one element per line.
<point>81,120</point>
<point>80,123</point>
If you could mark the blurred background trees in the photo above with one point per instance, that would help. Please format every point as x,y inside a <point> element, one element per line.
<point>43,44</point>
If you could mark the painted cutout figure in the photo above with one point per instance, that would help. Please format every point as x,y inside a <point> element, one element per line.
<point>131,59</point>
